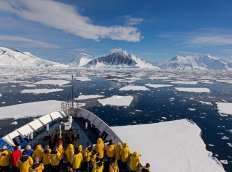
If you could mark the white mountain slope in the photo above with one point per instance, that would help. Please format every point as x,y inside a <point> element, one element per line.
<point>206,62</point>
<point>15,58</point>
<point>120,59</point>
<point>81,60</point>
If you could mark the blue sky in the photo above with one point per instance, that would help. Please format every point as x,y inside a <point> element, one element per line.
<point>152,29</point>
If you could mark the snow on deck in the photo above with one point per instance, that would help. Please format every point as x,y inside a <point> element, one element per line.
<point>158,85</point>
<point>52,82</point>
<point>224,108</point>
<point>194,90</point>
<point>40,91</point>
<point>174,146</point>
<point>116,101</point>
<point>134,88</point>
<point>29,109</point>
<point>85,97</point>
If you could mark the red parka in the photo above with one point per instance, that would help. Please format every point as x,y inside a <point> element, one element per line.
<point>16,154</point>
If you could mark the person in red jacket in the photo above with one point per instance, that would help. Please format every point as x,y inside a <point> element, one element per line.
<point>16,154</point>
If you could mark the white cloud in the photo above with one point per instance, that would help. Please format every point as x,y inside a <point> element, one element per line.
<point>26,42</point>
<point>211,40</point>
<point>133,21</point>
<point>65,17</point>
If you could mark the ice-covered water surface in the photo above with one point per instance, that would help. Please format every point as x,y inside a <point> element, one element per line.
<point>151,106</point>
<point>29,109</point>
<point>174,146</point>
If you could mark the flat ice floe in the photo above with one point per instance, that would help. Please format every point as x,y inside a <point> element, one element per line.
<point>41,91</point>
<point>134,88</point>
<point>158,85</point>
<point>52,82</point>
<point>194,90</point>
<point>224,108</point>
<point>117,101</point>
<point>184,82</point>
<point>82,78</point>
<point>174,146</point>
<point>206,103</point>
<point>85,97</point>
<point>29,109</point>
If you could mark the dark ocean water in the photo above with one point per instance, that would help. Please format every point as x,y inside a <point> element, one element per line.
<point>162,104</point>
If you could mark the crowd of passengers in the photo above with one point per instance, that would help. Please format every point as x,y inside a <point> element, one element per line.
<point>98,158</point>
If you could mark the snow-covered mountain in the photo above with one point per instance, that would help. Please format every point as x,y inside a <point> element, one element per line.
<point>120,59</point>
<point>206,62</point>
<point>81,60</point>
<point>15,58</point>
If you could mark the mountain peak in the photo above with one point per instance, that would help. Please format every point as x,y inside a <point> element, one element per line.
<point>15,58</point>
<point>120,58</point>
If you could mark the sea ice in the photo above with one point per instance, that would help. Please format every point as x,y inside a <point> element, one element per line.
<point>184,82</point>
<point>85,97</point>
<point>191,109</point>
<point>224,108</point>
<point>134,88</point>
<point>52,82</point>
<point>14,123</point>
<point>41,91</point>
<point>29,109</point>
<point>117,101</point>
<point>194,90</point>
<point>158,85</point>
<point>206,103</point>
<point>82,78</point>
<point>174,146</point>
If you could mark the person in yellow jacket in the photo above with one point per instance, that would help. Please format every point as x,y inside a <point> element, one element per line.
<point>118,153</point>
<point>55,159</point>
<point>99,148</point>
<point>125,154</point>
<point>60,148</point>
<point>110,150</point>
<point>98,167</point>
<point>37,166</point>
<point>38,153</point>
<point>87,152</point>
<point>69,152</point>
<point>113,167</point>
<point>5,156</point>
<point>76,160</point>
<point>46,160</point>
<point>93,158</point>
<point>134,162</point>
<point>25,162</point>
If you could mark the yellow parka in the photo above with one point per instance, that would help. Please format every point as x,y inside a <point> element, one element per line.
<point>118,151</point>
<point>55,158</point>
<point>134,161</point>
<point>38,153</point>
<point>76,160</point>
<point>97,168</point>
<point>61,150</point>
<point>69,152</point>
<point>5,156</point>
<point>86,154</point>
<point>37,169</point>
<point>47,157</point>
<point>24,163</point>
<point>125,153</point>
<point>99,147</point>
<point>110,150</point>
<point>113,167</point>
